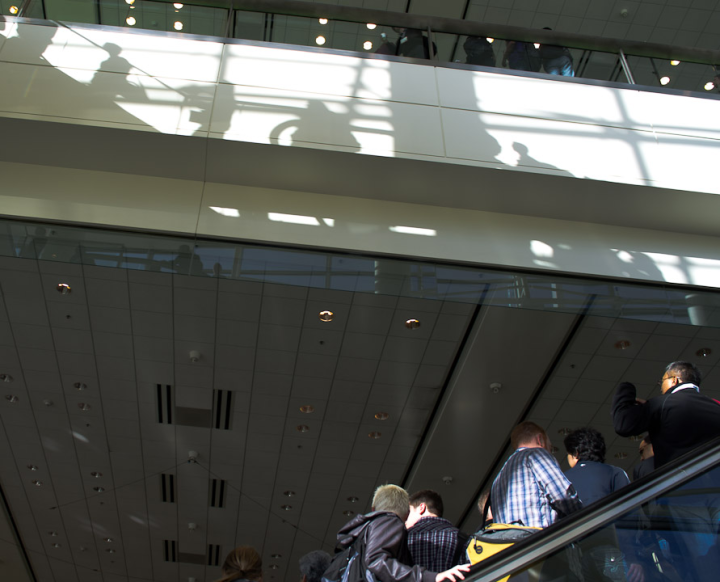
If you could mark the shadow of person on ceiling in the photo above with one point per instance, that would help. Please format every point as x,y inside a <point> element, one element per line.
<point>316,125</point>
<point>525,160</point>
<point>111,79</point>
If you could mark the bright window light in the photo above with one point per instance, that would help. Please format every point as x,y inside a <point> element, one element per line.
<point>322,20</point>
<point>234,212</point>
<point>367,45</point>
<point>178,25</point>
<point>371,26</point>
<point>320,40</point>
<point>413,230</point>
<point>293,219</point>
<point>131,21</point>
<point>664,80</point>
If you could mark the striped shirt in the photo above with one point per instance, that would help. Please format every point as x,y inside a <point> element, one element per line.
<point>432,542</point>
<point>532,489</point>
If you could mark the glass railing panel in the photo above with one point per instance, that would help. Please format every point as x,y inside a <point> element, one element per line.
<point>674,537</point>
<point>679,75</point>
<point>163,16</point>
<point>598,65</point>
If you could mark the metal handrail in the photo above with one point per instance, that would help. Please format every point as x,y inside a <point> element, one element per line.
<point>596,515</point>
<point>466,28</point>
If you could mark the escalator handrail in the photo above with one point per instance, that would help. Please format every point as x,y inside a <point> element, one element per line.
<point>596,515</point>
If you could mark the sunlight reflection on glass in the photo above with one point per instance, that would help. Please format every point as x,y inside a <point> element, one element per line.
<point>329,221</point>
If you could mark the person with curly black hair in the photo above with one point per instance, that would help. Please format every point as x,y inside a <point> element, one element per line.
<point>592,478</point>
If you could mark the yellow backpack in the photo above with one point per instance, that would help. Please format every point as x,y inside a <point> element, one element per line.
<point>495,538</point>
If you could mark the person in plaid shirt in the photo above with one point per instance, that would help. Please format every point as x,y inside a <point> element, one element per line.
<point>432,540</point>
<point>531,488</point>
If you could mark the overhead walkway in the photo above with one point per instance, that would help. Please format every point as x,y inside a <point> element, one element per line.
<point>663,527</point>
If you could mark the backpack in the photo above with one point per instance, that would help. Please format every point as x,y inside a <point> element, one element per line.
<point>348,565</point>
<point>495,538</point>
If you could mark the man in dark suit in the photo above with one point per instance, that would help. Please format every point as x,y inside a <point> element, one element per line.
<point>679,420</point>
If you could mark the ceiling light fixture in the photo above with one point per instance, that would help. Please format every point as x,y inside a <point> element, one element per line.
<point>495,387</point>
<point>63,289</point>
<point>286,507</point>
<point>195,356</point>
<point>99,489</point>
<point>6,378</point>
<point>56,545</point>
<point>703,352</point>
<point>622,345</point>
<point>490,40</point>
<point>320,40</point>
<point>353,499</point>
<point>448,480</point>
<point>674,63</point>
<point>130,21</point>
<point>326,316</point>
<point>382,415</point>
<point>96,474</point>
<point>274,566</point>
<point>13,10</point>
<point>131,2</point>
<point>664,80</point>
<point>323,20</point>
<point>367,45</point>
<point>348,512</point>
<point>276,556</point>
<point>32,467</point>
<point>709,86</point>
<point>80,386</point>
<point>110,551</point>
<point>12,399</point>
<point>289,493</point>
<point>52,534</point>
<point>371,26</point>
<point>302,428</point>
<point>412,323</point>
<point>37,483</point>
<point>47,402</point>
<point>307,409</point>
<point>177,25</point>
<point>178,6</point>
<point>83,406</point>
<point>375,435</point>
<point>565,431</point>
<point>108,540</point>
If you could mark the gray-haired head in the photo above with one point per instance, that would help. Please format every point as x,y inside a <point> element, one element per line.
<point>313,565</point>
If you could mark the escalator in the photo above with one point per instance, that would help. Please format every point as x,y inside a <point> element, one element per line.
<point>662,528</point>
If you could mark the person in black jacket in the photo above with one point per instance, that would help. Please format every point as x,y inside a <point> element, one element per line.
<point>679,420</point>
<point>383,531</point>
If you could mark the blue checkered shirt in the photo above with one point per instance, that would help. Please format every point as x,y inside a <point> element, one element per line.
<point>432,542</point>
<point>532,489</point>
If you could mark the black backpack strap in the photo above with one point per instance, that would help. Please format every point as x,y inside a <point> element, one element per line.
<point>462,542</point>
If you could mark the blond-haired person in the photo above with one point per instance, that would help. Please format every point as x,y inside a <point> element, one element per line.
<point>386,551</point>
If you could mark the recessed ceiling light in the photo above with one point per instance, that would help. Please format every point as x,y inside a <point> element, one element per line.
<point>178,6</point>
<point>110,551</point>
<point>709,86</point>
<point>131,2</point>
<point>276,556</point>
<point>621,455</point>
<point>375,435</point>
<point>326,316</point>
<point>52,534</point>
<point>32,467</point>
<point>367,45</point>
<point>565,431</point>
<point>348,512</point>
<point>274,566</point>
<point>371,26</point>
<point>11,398</point>
<point>108,540</point>
<point>674,63</point>
<point>83,406</point>
<point>490,40</point>
<point>382,415</point>
<point>99,489</point>
<point>37,483</point>
<point>622,345</point>
<point>320,40</point>
<point>47,402</point>
<point>63,289</point>
<point>6,378</point>
<point>353,499</point>
<point>13,10</point>
<point>412,323</point>
<point>177,25</point>
<point>323,20</point>
<point>80,386</point>
<point>82,549</point>
<point>286,507</point>
<point>130,20</point>
<point>56,545</point>
<point>703,352</point>
<point>289,493</point>
<point>96,474</point>
<point>307,409</point>
<point>302,428</point>
<point>664,80</point>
